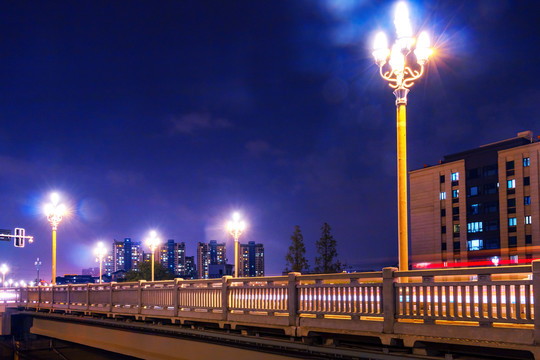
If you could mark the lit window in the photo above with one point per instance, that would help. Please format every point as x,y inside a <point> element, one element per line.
<point>475,209</point>
<point>514,259</point>
<point>455,176</point>
<point>512,221</point>
<point>473,191</point>
<point>512,184</point>
<point>456,228</point>
<point>442,196</point>
<point>526,162</point>
<point>527,200</point>
<point>455,194</point>
<point>528,220</point>
<point>474,227</point>
<point>475,244</point>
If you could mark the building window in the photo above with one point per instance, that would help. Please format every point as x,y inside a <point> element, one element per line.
<point>526,162</point>
<point>455,211</point>
<point>490,188</point>
<point>443,229</point>
<point>443,246</point>
<point>510,165</point>
<point>527,200</point>
<point>457,245</point>
<point>490,170</point>
<point>526,181</point>
<point>474,191</point>
<point>441,178</point>
<point>493,244</point>
<point>528,220</point>
<point>528,239</point>
<point>491,207</point>
<point>512,184</point>
<point>456,228</point>
<point>514,259</point>
<point>455,194</point>
<point>474,227</point>
<point>472,174</point>
<point>475,244</point>
<point>442,195</point>
<point>512,241</point>
<point>455,176</point>
<point>511,203</point>
<point>443,212</point>
<point>512,221</point>
<point>492,225</point>
<point>474,209</point>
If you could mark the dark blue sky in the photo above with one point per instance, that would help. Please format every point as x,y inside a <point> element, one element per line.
<point>170,115</point>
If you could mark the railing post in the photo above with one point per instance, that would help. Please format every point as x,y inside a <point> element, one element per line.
<point>68,300</point>
<point>292,298</point>
<point>177,282</point>
<point>139,296</point>
<point>389,300</point>
<point>111,296</point>
<point>536,297</point>
<point>225,281</point>
<point>88,297</point>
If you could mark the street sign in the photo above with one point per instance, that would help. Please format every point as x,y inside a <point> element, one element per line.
<point>19,237</point>
<point>5,232</point>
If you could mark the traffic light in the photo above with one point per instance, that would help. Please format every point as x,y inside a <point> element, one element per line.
<point>19,237</point>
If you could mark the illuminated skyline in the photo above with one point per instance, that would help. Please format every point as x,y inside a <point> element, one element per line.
<point>172,115</point>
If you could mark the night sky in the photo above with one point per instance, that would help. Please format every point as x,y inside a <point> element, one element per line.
<point>170,115</point>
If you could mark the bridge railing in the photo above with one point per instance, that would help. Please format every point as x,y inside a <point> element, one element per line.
<point>482,296</point>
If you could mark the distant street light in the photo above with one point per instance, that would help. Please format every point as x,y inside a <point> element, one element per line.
<point>401,77</point>
<point>235,228</point>
<point>54,212</point>
<point>37,263</point>
<point>153,242</point>
<point>100,251</point>
<point>4,269</point>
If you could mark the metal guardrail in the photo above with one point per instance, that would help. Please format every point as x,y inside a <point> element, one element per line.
<point>484,296</point>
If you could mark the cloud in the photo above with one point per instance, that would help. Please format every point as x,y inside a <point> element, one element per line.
<point>192,122</point>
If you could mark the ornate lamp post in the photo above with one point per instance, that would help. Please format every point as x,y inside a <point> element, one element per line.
<point>4,269</point>
<point>401,77</point>
<point>100,253</point>
<point>153,242</point>
<point>54,212</point>
<point>235,228</point>
<point>37,264</point>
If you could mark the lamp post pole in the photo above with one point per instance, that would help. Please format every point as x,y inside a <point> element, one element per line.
<point>152,242</point>
<point>54,212</point>
<point>235,228</point>
<point>100,252</point>
<point>37,263</point>
<point>4,269</point>
<point>401,77</point>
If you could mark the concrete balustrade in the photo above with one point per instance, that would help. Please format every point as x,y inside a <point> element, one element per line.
<point>491,304</point>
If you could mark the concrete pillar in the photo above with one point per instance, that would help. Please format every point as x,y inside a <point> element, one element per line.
<point>225,281</point>
<point>536,297</point>
<point>292,298</point>
<point>389,300</point>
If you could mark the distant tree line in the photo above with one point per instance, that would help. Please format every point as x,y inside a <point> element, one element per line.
<point>326,260</point>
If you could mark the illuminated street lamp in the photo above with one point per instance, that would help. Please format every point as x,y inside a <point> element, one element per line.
<point>54,212</point>
<point>235,228</point>
<point>401,77</point>
<point>153,242</point>
<point>100,252</point>
<point>4,269</point>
